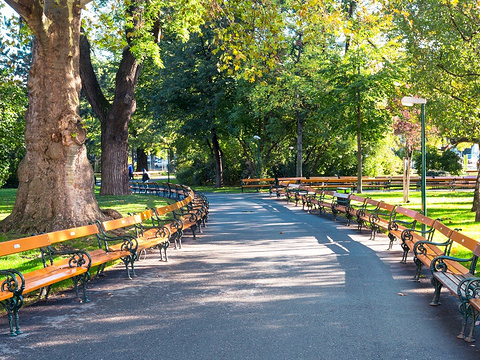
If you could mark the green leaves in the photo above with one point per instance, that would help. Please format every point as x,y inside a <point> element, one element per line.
<point>13,102</point>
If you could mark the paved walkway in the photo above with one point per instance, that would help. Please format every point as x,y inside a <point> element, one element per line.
<point>264,281</point>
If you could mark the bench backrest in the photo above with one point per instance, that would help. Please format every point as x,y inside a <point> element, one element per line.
<point>464,240</point>
<point>357,198</point>
<point>422,219</point>
<point>24,244</point>
<point>73,233</point>
<point>144,215</point>
<point>387,206</point>
<point>373,202</point>
<point>442,229</point>
<point>120,223</point>
<point>407,212</point>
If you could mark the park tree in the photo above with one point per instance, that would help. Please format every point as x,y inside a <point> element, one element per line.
<point>364,79</point>
<point>55,178</point>
<point>408,131</point>
<point>197,93</point>
<point>441,40</point>
<point>144,25</point>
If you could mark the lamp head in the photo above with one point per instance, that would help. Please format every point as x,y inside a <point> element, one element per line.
<point>410,101</point>
<point>256,137</point>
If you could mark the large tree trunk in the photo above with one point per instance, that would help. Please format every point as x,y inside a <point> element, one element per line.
<point>55,178</point>
<point>114,117</point>
<point>114,158</point>
<point>142,162</point>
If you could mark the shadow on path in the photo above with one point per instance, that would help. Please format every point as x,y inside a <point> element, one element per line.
<point>264,281</point>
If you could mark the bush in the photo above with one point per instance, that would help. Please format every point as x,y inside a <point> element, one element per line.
<point>447,162</point>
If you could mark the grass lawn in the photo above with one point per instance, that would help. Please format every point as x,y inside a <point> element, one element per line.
<point>452,207</point>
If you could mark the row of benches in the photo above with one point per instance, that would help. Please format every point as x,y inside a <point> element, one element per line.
<point>165,189</point>
<point>148,230</point>
<point>374,183</point>
<point>430,241</point>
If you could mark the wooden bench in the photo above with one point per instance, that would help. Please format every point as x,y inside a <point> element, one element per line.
<point>356,208</point>
<point>402,220</point>
<point>16,283</point>
<point>469,292</point>
<point>424,251</point>
<point>308,194</point>
<point>256,183</point>
<point>156,235</point>
<point>376,215</point>
<point>323,201</point>
<point>364,214</point>
<point>467,182</point>
<point>136,186</point>
<point>449,272</point>
<point>293,193</point>
<point>279,189</point>
<point>115,247</point>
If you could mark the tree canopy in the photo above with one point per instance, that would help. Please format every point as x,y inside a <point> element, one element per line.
<point>233,88</point>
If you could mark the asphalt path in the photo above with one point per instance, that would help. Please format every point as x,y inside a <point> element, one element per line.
<point>265,280</point>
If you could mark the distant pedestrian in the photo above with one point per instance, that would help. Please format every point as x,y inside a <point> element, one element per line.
<point>145,176</point>
<point>130,172</point>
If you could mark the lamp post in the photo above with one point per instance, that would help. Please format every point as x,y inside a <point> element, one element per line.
<point>258,138</point>
<point>168,163</point>
<point>410,101</point>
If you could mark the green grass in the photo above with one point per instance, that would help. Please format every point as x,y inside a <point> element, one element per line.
<point>453,208</point>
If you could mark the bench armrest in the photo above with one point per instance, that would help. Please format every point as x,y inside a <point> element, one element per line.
<point>407,235</point>
<point>439,264</point>
<point>175,223</point>
<point>129,242</point>
<point>78,257</point>
<point>468,288</point>
<point>420,249</point>
<point>14,281</point>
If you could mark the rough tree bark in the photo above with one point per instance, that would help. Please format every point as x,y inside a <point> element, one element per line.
<point>114,117</point>
<point>142,162</point>
<point>55,178</point>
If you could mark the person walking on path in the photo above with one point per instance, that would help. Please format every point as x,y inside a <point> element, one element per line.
<point>130,172</point>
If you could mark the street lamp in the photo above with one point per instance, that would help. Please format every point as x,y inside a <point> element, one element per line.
<point>410,101</point>
<point>258,138</point>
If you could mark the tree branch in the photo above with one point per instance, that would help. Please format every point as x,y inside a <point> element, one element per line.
<point>100,105</point>
<point>441,66</point>
<point>23,7</point>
